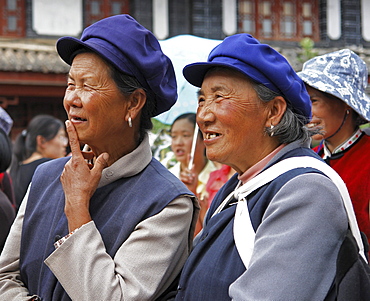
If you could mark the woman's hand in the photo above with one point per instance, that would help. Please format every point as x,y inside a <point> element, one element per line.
<point>190,179</point>
<point>80,180</point>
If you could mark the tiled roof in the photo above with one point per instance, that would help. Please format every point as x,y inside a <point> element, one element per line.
<point>41,56</point>
<point>20,56</point>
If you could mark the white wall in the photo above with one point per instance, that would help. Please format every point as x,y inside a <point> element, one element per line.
<point>160,19</point>
<point>333,19</point>
<point>57,17</point>
<point>365,19</point>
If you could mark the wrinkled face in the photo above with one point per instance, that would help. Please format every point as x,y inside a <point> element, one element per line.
<point>93,102</point>
<point>182,133</point>
<point>56,147</point>
<point>327,112</point>
<point>232,119</point>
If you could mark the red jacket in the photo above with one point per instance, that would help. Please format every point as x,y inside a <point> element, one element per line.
<point>353,165</point>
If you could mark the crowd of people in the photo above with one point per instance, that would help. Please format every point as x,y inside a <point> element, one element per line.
<point>108,221</point>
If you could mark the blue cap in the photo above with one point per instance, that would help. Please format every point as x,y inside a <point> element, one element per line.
<point>132,49</point>
<point>259,62</point>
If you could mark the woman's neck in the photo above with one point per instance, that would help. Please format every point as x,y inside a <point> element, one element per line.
<point>116,151</point>
<point>198,164</point>
<point>341,137</point>
<point>35,156</point>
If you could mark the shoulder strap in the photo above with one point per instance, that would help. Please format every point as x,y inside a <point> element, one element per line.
<point>243,231</point>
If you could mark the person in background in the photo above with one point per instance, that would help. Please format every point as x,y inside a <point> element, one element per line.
<point>195,177</point>
<point>6,186</point>
<point>112,223</point>
<point>217,179</point>
<point>252,111</point>
<point>6,183</point>
<point>43,139</point>
<point>7,208</point>
<point>336,83</point>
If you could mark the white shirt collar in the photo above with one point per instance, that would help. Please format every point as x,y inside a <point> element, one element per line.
<point>346,144</point>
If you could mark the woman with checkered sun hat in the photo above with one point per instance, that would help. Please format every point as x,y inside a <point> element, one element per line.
<point>336,84</point>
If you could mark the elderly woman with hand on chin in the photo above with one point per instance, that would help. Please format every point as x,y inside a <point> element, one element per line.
<point>96,231</point>
<point>252,112</point>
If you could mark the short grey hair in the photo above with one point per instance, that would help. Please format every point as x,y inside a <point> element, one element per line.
<point>127,85</point>
<point>291,126</point>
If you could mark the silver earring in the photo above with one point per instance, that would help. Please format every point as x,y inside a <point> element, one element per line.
<point>129,122</point>
<point>271,128</point>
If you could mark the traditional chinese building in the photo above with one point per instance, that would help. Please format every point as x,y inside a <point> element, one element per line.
<point>33,78</point>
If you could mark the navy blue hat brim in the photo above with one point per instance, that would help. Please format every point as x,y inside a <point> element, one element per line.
<point>195,73</point>
<point>66,46</point>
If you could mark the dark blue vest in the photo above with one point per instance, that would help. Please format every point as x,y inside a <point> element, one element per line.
<point>214,264</point>
<point>115,208</point>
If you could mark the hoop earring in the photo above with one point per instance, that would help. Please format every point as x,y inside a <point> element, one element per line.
<point>271,128</point>
<point>129,120</point>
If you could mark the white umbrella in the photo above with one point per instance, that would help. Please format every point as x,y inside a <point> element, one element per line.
<point>183,50</point>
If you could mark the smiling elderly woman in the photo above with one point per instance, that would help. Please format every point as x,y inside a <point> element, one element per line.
<point>252,112</point>
<point>93,230</point>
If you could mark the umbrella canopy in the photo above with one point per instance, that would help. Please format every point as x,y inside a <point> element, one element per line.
<point>183,50</point>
